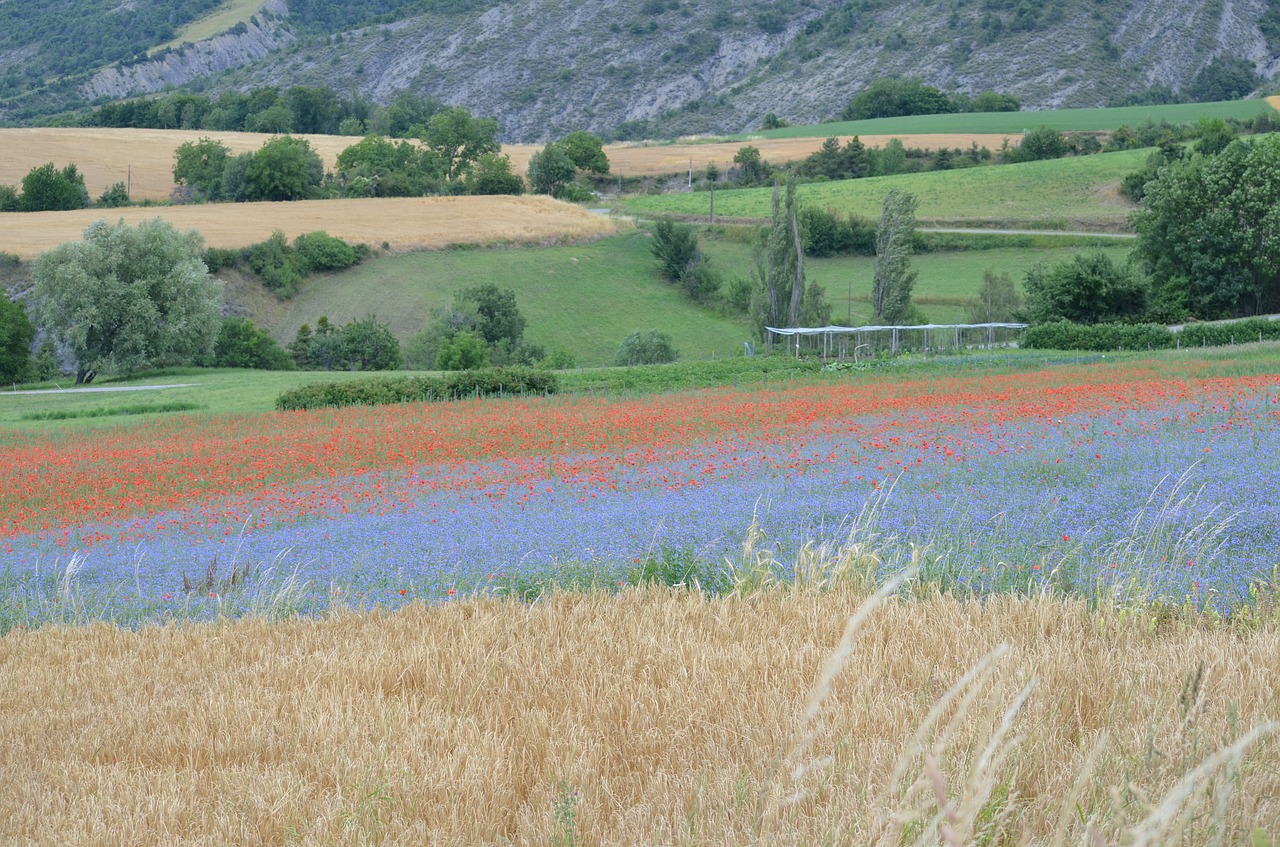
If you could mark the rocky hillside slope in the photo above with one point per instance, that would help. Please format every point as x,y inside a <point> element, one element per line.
<point>546,67</point>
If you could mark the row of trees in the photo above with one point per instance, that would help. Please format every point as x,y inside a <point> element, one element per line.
<point>312,110</point>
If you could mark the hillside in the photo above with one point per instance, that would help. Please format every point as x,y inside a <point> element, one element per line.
<point>636,67</point>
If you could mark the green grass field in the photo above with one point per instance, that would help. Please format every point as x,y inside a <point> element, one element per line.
<point>1059,194</point>
<point>946,279</point>
<point>230,13</point>
<point>1015,123</point>
<point>584,298</point>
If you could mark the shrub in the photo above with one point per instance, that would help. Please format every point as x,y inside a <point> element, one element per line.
<point>1065,335</point>
<point>320,251</point>
<point>372,391</point>
<point>242,344</point>
<point>277,264</point>
<point>464,351</point>
<point>649,348</point>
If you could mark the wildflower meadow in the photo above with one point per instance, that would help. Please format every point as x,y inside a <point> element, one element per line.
<point>1091,479</point>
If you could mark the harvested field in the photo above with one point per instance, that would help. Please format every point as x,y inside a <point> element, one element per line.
<point>656,717</point>
<point>414,223</point>
<point>143,158</point>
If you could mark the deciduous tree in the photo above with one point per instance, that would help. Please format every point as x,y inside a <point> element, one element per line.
<point>894,277</point>
<point>127,297</point>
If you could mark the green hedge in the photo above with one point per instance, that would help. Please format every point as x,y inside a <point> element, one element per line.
<point>1065,335</point>
<point>1240,332</point>
<point>379,390</point>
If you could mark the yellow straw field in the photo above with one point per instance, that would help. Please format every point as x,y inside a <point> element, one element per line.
<point>414,223</point>
<point>653,717</point>
<point>143,158</point>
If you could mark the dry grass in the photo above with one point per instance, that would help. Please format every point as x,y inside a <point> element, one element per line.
<point>404,223</point>
<point>107,156</point>
<point>656,717</point>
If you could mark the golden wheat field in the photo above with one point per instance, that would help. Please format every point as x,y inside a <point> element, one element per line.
<point>143,158</point>
<point>656,716</point>
<point>412,223</point>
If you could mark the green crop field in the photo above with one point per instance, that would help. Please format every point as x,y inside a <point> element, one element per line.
<point>1015,123</point>
<point>1078,192</point>
<point>584,298</point>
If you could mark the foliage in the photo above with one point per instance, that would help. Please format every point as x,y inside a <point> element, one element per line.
<point>200,165</point>
<point>551,170</point>
<point>586,151</point>
<point>126,297</point>
<point>891,98</point>
<point>646,348</point>
<point>458,139</point>
<point>675,245</point>
<point>1102,337</point>
<point>894,278</point>
<point>1210,233</point>
<point>1088,289</point>
<point>1041,143</point>
<point>363,345</point>
<point>372,391</point>
<point>370,346</point>
<point>9,199</point>
<point>1224,79</point>
<point>780,296</point>
<point>833,162</point>
<point>278,266</point>
<point>115,196</point>
<point>482,326</point>
<point>285,168</point>
<point>826,234</point>
<point>16,335</point>
<point>462,351</point>
<point>281,267</point>
<point>752,169</point>
<point>320,251</point>
<point>998,300</point>
<point>1134,185</point>
<point>493,174</point>
<point>376,167</point>
<point>242,344</point>
<point>47,189</point>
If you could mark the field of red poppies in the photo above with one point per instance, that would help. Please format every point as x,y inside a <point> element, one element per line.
<point>1056,464</point>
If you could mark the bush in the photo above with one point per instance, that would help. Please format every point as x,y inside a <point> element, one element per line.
<point>1236,332</point>
<point>1065,335</point>
<point>278,266</point>
<point>241,344</point>
<point>464,351</point>
<point>649,348</point>
<point>320,251</point>
<point>372,391</point>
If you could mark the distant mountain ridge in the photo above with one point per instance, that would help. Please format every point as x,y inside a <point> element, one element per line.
<point>667,67</point>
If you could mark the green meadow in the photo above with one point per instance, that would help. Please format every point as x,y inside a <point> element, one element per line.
<point>1015,123</point>
<point>584,298</point>
<point>1076,192</point>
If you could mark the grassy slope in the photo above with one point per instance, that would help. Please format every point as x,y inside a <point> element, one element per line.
<point>1015,123</point>
<point>1063,192</point>
<point>225,17</point>
<point>584,298</point>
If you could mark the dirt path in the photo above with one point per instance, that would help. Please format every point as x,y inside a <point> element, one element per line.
<point>99,390</point>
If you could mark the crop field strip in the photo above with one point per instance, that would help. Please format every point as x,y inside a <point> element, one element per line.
<point>1015,123</point>
<point>1076,192</point>
<point>630,720</point>
<point>144,157</point>
<point>412,223</point>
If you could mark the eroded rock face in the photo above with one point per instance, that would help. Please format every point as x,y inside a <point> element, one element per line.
<point>179,67</point>
<point>543,71</point>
